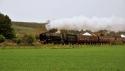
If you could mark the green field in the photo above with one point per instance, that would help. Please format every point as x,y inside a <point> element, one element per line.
<point>65,58</point>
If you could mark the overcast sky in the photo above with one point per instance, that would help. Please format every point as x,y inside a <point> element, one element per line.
<point>39,10</point>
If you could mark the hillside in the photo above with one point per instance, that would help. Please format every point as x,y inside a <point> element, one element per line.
<point>22,28</point>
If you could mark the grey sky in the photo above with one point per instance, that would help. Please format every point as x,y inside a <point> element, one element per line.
<point>39,10</point>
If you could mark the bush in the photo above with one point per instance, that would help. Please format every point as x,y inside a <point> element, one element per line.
<point>2,38</point>
<point>17,40</point>
<point>25,40</point>
<point>28,39</point>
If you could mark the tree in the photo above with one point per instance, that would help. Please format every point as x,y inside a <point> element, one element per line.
<point>111,33</point>
<point>102,32</point>
<point>6,27</point>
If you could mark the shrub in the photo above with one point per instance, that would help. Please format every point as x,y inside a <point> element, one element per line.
<point>25,40</point>
<point>37,37</point>
<point>2,38</point>
<point>18,40</point>
<point>28,39</point>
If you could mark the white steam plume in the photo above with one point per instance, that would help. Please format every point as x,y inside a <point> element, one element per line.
<point>86,23</point>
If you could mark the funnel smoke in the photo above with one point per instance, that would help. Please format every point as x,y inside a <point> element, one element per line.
<point>86,23</point>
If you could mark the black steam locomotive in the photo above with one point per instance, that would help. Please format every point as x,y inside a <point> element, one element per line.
<point>58,38</point>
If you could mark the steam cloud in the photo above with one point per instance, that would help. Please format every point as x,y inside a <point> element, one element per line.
<point>87,23</point>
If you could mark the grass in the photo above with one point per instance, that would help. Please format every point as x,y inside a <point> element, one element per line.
<point>30,28</point>
<point>52,58</point>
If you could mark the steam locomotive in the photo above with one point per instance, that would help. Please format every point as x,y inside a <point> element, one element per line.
<point>66,38</point>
